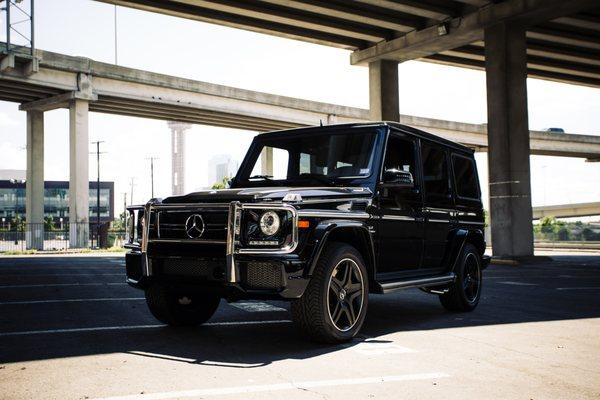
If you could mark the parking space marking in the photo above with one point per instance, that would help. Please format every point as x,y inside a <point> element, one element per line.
<point>579,288</point>
<point>518,283</point>
<point>10,303</point>
<point>61,284</point>
<point>302,385</point>
<point>378,348</point>
<point>134,327</point>
<point>256,306</point>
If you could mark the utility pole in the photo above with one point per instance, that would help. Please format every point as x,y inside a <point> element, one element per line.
<point>152,173</point>
<point>97,143</point>
<point>132,184</point>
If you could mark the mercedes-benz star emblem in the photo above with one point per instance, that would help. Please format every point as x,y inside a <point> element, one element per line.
<point>194,226</point>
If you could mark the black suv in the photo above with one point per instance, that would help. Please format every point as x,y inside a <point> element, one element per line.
<point>343,211</point>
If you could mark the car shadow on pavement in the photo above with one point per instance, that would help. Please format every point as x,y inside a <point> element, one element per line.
<point>535,298</point>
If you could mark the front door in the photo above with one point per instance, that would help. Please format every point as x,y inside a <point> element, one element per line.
<point>400,225</point>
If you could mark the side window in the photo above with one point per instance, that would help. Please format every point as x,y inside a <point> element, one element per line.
<point>400,154</point>
<point>435,171</point>
<point>465,177</point>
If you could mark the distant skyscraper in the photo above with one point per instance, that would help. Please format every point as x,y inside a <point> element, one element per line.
<point>219,167</point>
<point>178,156</point>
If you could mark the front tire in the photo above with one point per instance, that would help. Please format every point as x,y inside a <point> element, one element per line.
<point>465,292</point>
<point>178,308</point>
<point>334,305</point>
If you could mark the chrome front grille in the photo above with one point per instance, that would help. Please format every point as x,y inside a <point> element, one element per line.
<point>170,224</point>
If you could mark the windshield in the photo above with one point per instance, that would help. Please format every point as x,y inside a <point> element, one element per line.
<point>309,159</point>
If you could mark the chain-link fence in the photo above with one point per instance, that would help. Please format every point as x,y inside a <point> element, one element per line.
<point>26,236</point>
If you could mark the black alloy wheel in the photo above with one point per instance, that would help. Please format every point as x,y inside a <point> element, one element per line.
<point>464,294</point>
<point>345,296</point>
<point>334,304</point>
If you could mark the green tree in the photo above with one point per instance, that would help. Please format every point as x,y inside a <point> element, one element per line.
<point>224,184</point>
<point>48,224</point>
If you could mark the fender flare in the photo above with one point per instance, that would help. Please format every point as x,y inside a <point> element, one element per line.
<point>457,240</point>
<point>323,232</point>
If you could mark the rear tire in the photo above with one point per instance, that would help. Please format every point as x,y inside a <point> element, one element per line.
<point>178,308</point>
<point>465,292</point>
<point>333,306</point>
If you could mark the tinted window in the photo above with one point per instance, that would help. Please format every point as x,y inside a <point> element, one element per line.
<point>435,171</point>
<point>400,154</point>
<point>465,177</point>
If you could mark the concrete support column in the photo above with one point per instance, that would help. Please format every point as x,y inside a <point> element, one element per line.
<point>508,141</point>
<point>79,174</point>
<point>34,186</point>
<point>178,130</point>
<point>266,160</point>
<point>384,97</point>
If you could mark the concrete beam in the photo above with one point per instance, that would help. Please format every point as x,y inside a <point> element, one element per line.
<point>508,141</point>
<point>414,7</point>
<point>567,210</point>
<point>79,174</point>
<point>466,29</point>
<point>58,101</point>
<point>384,96</point>
<point>34,183</point>
<point>7,63</point>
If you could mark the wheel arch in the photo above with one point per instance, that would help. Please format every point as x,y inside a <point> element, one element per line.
<point>353,233</point>
<point>457,240</point>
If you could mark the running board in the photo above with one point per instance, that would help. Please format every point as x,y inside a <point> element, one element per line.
<point>423,282</point>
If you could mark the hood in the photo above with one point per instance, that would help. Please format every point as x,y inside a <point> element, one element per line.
<point>268,194</point>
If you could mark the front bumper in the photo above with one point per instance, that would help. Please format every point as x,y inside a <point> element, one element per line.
<point>257,276</point>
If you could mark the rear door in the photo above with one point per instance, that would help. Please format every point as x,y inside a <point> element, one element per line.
<point>438,210</point>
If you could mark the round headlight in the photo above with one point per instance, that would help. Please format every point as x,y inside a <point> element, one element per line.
<point>269,223</point>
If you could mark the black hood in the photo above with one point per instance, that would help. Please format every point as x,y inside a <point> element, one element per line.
<point>268,194</point>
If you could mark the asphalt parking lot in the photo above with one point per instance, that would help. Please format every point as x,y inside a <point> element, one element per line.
<point>71,329</point>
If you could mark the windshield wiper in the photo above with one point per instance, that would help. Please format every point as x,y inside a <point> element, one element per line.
<point>265,177</point>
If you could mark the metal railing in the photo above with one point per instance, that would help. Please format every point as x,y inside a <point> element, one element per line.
<point>40,236</point>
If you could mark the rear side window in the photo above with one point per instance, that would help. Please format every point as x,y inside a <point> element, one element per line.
<point>435,171</point>
<point>465,177</point>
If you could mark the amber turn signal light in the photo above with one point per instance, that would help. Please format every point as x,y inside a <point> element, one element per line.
<point>303,224</point>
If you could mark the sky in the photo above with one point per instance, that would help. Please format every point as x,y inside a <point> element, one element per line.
<point>243,59</point>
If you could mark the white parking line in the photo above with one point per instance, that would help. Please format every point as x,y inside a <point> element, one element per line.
<point>518,283</point>
<point>61,284</point>
<point>255,306</point>
<point>579,288</point>
<point>10,303</point>
<point>302,385</point>
<point>133,327</point>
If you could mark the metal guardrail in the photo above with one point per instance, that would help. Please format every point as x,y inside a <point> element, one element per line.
<point>25,236</point>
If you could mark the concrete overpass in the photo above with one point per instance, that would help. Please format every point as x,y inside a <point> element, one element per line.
<point>108,88</point>
<point>510,39</point>
<point>567,210</point>
<point>52,80</point>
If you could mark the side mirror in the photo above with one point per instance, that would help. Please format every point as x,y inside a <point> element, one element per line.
<point>398,178</point>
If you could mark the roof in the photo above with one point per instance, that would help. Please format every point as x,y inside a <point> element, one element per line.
<point>563,36</point>
<point>394,125</point>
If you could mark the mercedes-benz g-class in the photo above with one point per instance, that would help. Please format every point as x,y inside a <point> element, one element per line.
<point>323,217</point>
